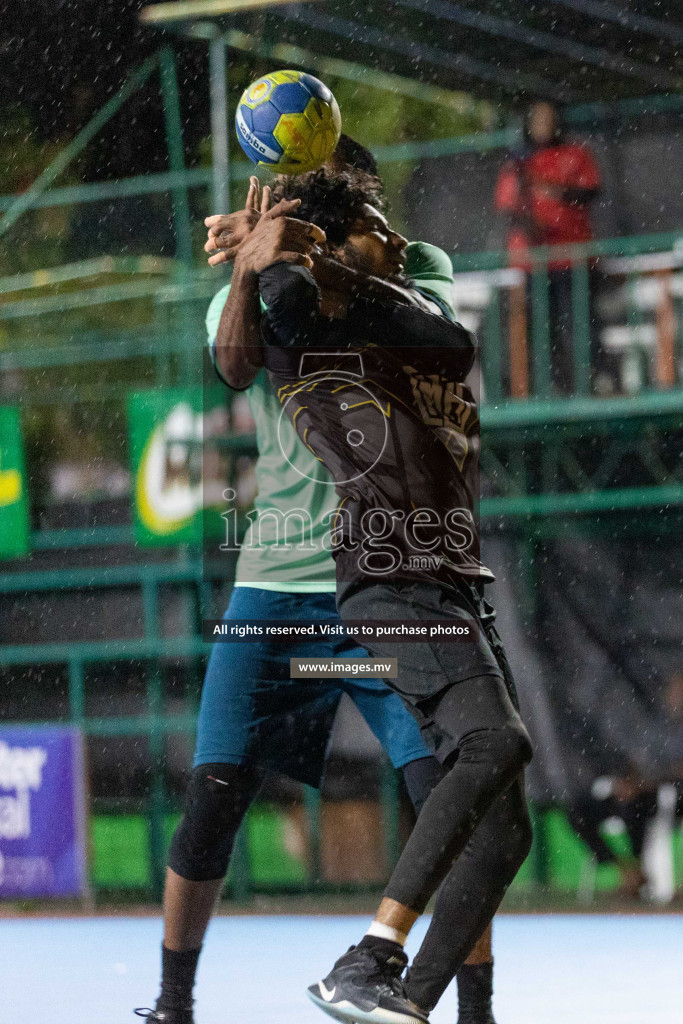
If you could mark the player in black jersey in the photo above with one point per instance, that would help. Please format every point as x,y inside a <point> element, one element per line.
<point>375,388</point>
<point>202,843</point>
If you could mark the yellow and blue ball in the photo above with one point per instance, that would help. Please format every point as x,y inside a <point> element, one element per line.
<point>288,121</point>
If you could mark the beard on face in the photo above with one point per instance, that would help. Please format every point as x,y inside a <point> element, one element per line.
<point>357,260</point>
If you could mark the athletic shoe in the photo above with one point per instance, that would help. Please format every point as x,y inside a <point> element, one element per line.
<point>165,1016</point>
<point>365,985</point>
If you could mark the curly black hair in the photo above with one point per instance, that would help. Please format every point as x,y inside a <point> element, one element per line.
<point>331,200</point>
<point>351,153</point>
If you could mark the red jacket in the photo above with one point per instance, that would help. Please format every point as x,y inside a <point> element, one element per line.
<point>530,190</point>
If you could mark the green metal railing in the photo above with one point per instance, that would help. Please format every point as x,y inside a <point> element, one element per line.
<point>535,280</point>
<point>150,648</point>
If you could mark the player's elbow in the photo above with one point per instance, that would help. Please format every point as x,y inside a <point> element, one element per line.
<point>238,369</point>
<point>293,300</point>
<point>464,345</point>
<point>467,361</point>
<point>241,380</point>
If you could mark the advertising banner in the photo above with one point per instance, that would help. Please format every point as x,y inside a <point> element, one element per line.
<point>14,533</point>
<point>42,812</point>
<point>174,480</point>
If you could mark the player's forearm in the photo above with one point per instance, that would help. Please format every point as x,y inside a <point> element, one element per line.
<point>437,343</point>
<point>295,302</point>
<point>293,319</point>
<point>239,352</point>
<point>330,273</point>
<point>400,325</point>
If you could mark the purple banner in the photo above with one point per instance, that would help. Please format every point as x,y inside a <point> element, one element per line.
<point>42,812</point>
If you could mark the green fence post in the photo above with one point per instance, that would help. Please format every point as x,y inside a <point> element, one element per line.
<point>156,740</point>
<point>202,602</point>
<point>76,692</point>
<point>492,350</point>
<point>181,209</point>
<point>312,807</point>
<point>157,797</point>
<point>389,796</point>
<point>186,321</point>
<point>540,334</point>
<point>240,873</point>
<point>176,154</point>
<point>635,318</point>
<point>539,851</point>
<point>205,604</point>
<point>220,125</point>
<point>162,359</point>
<point>581,327</point>
<point>529,551</point>
<point>166,320</point>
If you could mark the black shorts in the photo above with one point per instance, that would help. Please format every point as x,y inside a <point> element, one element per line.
<point>429,671</point>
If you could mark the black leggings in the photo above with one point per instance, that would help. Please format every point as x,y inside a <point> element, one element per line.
<point>470,894</point>
<point>463,697</point>
<point>473,843</point>
<point>491,754</point>
<point>472,890</point>
<point>217,798</point>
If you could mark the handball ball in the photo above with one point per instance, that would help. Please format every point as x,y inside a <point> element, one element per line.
<point>288,121</point>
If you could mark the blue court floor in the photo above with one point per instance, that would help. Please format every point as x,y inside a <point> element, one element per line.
<point>550,969</point>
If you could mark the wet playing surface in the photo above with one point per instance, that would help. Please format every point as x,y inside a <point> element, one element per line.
<point>550,969</point>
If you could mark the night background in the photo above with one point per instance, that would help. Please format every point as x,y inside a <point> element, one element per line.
<point>62,61</point>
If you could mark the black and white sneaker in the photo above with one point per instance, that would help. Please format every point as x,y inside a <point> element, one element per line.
<point>365,985</point>
<point>165,1016</point>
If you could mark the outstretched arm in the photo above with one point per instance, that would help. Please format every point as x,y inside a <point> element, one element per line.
<point>294,319</point>
<point>337,277</point>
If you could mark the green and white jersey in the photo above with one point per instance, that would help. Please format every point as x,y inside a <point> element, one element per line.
<point>287,547</point>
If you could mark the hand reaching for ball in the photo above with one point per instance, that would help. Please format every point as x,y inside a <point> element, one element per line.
<point>227,231</point>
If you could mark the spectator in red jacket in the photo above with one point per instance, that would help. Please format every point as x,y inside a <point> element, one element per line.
<point>546,191</point>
